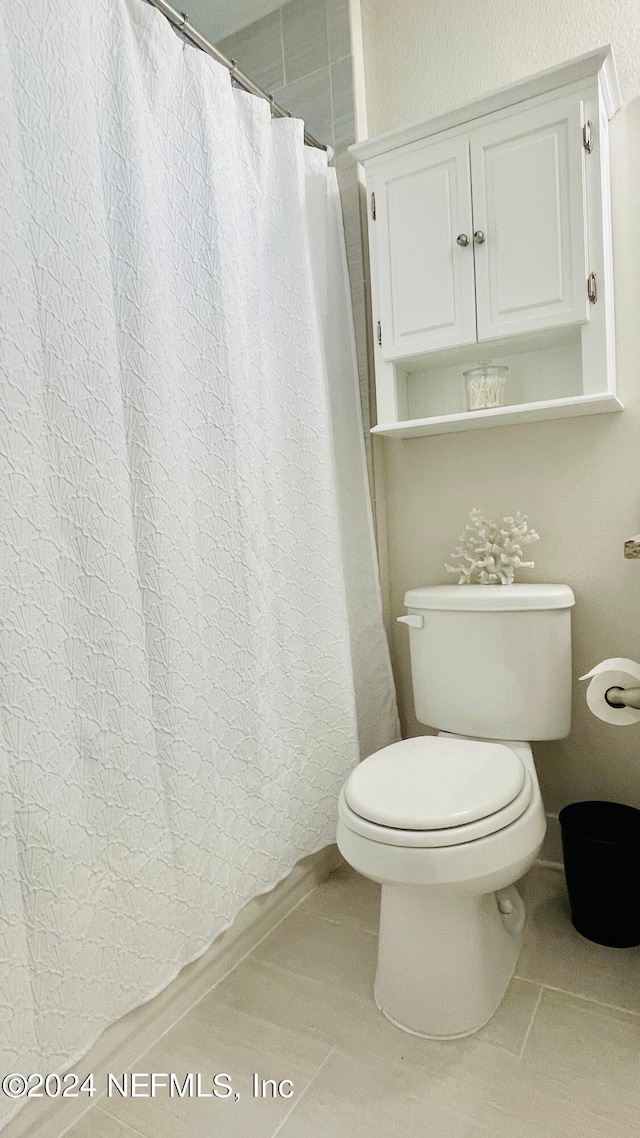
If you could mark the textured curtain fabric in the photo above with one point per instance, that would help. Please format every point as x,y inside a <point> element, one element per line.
<point>192,647</point>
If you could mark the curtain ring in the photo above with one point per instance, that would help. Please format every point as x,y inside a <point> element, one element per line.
<point>185,21</point>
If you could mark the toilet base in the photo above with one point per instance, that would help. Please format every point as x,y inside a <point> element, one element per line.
<point>445,958</point>
<point>423,1034</point>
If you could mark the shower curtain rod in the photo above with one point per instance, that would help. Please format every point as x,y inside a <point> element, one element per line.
<point>180,20</point>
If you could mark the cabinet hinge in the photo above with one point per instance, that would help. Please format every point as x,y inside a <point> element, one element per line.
<point>586,137</point>
<point>373,207</point>
<point>379,333</point>
<point>592,288</point>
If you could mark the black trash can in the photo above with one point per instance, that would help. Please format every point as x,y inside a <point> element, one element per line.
<point>601,847</point>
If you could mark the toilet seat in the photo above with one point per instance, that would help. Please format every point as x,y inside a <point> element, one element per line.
<point>434,791</point>
<point>432,783</point>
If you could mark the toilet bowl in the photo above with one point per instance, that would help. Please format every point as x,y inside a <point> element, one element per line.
<point>448,823</point>
<point>450,926</point>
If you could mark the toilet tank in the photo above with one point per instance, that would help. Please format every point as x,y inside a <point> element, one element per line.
<point>492,661</point>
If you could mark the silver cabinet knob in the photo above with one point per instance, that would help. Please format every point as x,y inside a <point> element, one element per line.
<point>479,237</point>
<point>462,239</point>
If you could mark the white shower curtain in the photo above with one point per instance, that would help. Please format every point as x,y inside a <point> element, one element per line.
<point>191,633</point>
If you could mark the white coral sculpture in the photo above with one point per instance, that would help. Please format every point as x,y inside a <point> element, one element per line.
<point>490,552</point>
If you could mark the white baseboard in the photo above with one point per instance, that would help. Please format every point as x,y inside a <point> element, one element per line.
<point>121,1044</point>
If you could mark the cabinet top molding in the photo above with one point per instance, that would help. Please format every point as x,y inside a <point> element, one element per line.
<point>599,62</point>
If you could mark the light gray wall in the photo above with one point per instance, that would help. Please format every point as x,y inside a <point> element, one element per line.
<point>301,54</point>
<point>578,479</point>
<point>215,19</point>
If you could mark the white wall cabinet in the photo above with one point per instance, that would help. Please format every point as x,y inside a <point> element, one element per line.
<point>529,202</point>
<point>490,237</point>
<point>427,292</point>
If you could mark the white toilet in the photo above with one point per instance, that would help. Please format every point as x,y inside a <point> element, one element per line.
<point>448,823</point>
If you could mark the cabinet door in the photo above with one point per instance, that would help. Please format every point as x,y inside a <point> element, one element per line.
<point>527,173</point>
<point>425,280</point>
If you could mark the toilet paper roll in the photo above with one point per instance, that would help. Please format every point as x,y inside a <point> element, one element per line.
<point>614,673</point>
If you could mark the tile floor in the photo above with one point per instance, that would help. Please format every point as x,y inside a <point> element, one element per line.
<point>561,1057</point>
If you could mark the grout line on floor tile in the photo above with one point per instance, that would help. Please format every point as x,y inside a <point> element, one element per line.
<point>527,980</point>
<point>309,1084</point>
<point>350,924</point>
<point>533,1016</point>
<point>579,996</point>
<point>128,1126</point>
<point>94,1106</point>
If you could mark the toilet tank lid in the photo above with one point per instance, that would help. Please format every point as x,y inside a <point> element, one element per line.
<point>490,598</point>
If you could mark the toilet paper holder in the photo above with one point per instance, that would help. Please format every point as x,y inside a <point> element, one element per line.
<point>623,697</point>
<point>613,694</point>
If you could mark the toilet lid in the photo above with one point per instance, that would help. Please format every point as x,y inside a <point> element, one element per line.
<point>430,783</point>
